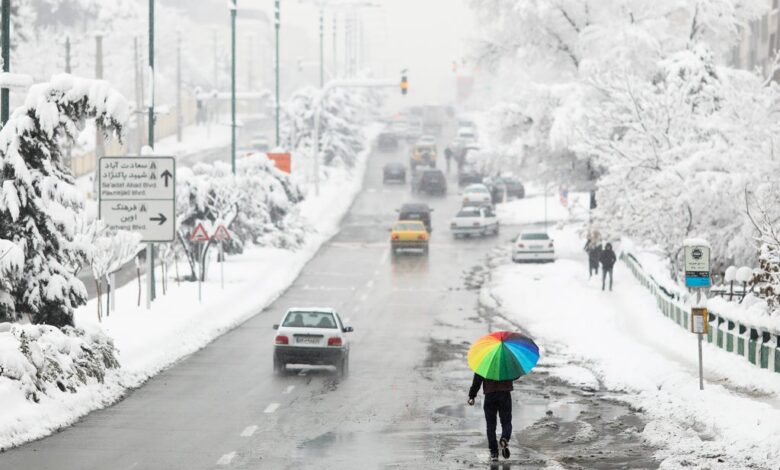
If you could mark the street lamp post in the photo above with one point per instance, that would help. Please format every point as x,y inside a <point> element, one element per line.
<point>5,94</point>
<point>150,294</point>
<point>277,24</point>
<point>233,7</point>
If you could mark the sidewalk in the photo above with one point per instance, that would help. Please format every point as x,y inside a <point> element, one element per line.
<point>633,349</point>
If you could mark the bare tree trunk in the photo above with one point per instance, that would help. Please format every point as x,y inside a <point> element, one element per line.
<point>109,288</point>
<point>164,276</point>
<point>176,266</point>
<point>99,306</point>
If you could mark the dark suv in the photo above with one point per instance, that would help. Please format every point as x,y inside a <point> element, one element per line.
<point>429,181</point>
<point>416,211</point>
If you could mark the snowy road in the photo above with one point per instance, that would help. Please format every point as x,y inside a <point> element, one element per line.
<point>403,402</point>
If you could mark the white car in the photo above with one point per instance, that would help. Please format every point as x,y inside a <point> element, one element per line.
<point>476,195</point>
<point>474,221</point>
<point>533,246</point>
<point>467,135</point>
<point>312,336</point>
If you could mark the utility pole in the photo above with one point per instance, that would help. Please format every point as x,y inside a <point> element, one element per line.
<point>335,46</point>
<point>67,55</point>
<point>277,25</point>
<point>233,7</point>
<point>251,62</point>
<point>100,148</point>
<point>5,10</point>
<point>322,47</point>
<point>179,118</point>
<point>150,295</point>
<point>216,61</point>
<point>139,93</point>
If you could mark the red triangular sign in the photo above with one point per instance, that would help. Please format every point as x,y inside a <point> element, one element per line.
<point>199,234</point>
<point>221,234</point>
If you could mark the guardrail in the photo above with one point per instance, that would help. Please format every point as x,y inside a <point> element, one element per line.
<point>757,345</point>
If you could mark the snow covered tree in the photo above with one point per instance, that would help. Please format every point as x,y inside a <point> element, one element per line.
<point>39,203</point>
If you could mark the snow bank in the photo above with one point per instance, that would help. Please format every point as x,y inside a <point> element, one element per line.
<point>177,325</point>
<point>531,210</point>
<point>630,347</point>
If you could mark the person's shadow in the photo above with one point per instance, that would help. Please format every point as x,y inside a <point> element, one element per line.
<point>501,466</point>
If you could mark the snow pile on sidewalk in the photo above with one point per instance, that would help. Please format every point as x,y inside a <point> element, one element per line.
<point>632,348</point>
<point>531,210</point>
<point>178,324</point>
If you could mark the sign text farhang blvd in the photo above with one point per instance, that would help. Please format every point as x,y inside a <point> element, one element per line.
<point>138,194</point>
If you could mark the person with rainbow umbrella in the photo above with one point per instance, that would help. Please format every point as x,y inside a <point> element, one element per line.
<point>497,360</point>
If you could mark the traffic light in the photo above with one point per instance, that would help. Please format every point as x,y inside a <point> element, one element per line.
<point>404,85</point>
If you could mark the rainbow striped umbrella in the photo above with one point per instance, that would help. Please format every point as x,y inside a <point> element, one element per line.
<point>503,355</point>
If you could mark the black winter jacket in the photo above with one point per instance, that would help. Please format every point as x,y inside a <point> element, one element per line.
<point>607,258</point>
<point>489,386</point>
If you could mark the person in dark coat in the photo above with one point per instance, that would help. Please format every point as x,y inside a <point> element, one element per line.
<point>498,400</point>
<point>593,248</point>
<point>448,157</point>
<point>608,260</point>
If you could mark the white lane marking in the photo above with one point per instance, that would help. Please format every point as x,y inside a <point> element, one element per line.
<point>226,459</point>
<point>288,390</point>
<point>248,431</point>
<point>385,257</point>
<point>271,408</point>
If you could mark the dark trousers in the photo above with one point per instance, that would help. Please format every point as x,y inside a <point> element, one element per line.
<point>594,268</point>
<point>604,272</point>
<point>498,403</point>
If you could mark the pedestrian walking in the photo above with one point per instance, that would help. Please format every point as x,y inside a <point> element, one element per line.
<point>608,260</point>
<point>448,158</point>
<point>498,401</point>
<point>593,248</point>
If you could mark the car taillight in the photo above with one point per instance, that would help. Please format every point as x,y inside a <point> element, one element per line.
<point>281,339</point>
<point>395,236</point>
<point>422,237</point>
<point>453,225</point>
<point>476,224</point>
<point>334,341</point>
<point>520,245</point>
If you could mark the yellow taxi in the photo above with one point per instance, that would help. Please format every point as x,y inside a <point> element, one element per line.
<point>409,235</point>
<point>423,154</point>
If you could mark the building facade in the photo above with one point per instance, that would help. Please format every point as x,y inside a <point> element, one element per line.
<point>759,42</point>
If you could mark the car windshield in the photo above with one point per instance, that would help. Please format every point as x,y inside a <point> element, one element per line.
<point>409,226</point>
<point>534,236</point>
<point>468,212</point>
<point>425,148</point>
<point>304,319</point>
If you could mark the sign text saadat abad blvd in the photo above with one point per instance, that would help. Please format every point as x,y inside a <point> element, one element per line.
<point>138,194</point>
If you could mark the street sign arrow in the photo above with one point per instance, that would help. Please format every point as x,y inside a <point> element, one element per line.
<point>166,176</point>
<point>160,218</point>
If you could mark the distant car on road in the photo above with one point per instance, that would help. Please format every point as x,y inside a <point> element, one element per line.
<point>423,154</point>
<point>474,221</point>
<point>409,235</point>
<point>468,175</point>
<point>416,211</point>
<point>259,143</point>
<point>429,181</point>
<point>427,139</point>
<point>533,246</point>
<point>476,195</point>
<point>387,141</point>
<point>467,135</point>
<point>312,336</point>
<point>394,172</point>
<point>514,188</point>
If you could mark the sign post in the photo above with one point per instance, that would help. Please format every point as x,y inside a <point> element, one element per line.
<point>221,235</point>
<point>697,277</point>
<point>200,235</point>
<point>138,194</point>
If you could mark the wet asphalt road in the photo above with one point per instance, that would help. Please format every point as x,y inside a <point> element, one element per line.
<point>403,403</point>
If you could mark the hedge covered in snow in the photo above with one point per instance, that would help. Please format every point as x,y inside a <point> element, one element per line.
<point>43,359</point>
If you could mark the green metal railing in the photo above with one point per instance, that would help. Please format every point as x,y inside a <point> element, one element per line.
<point>756,344</point>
